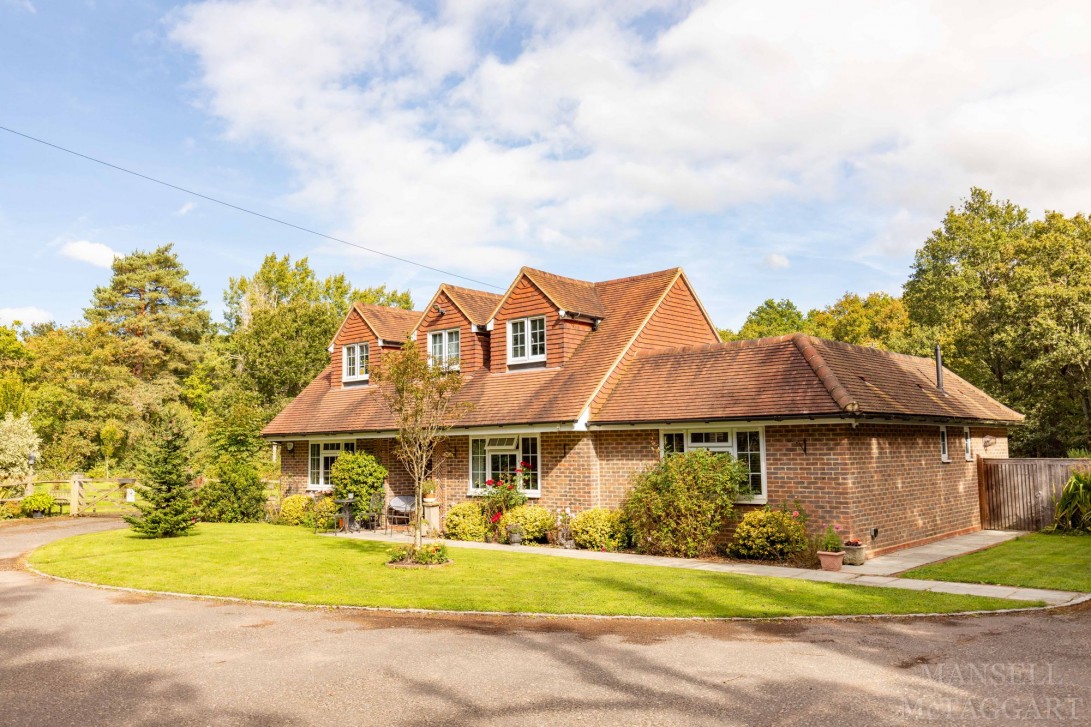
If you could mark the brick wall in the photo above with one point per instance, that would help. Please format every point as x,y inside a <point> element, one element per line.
<point>883,476</point>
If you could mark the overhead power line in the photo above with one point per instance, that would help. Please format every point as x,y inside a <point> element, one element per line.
<point>244,209</point>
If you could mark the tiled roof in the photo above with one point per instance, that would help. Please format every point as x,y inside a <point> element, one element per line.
<point>558,394</point>
<point>790,376</point>
<point>574,296</point>
<point>389,324</point>
<point>477,305</point>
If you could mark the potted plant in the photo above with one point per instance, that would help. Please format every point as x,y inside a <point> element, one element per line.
<point>428,492</point>
<point>855,552</point>
<point>831,553</point>
<point>37,505</point>
<point>515,534</point>
<point>564,529</point>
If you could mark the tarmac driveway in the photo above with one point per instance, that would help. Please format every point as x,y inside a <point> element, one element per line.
<point>78,655</point>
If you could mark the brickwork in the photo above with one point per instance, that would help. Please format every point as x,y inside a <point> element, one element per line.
<point>293,468</point>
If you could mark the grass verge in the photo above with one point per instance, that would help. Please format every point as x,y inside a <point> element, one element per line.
<point>274,563</point>
<point>1058,562</point>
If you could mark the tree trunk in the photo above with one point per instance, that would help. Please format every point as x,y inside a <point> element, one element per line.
<point>417,516</point>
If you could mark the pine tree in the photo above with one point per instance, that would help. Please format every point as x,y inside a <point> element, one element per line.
<point>164,464</point>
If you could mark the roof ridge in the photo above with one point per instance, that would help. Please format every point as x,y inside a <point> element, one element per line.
<point>463,289</point>
<point>641,276</point>
<point>825,374</point>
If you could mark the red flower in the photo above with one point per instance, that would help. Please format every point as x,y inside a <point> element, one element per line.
<point>496,516</point>
<point>490,483</point>
<point>525,465</point>
<point>795,513</point>
<point>511,487</point>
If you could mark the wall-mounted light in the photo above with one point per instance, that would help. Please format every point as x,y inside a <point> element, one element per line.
<point>437,309</point>
<point>988,440</point>
<point>289,446</point>
<point>802,444</point>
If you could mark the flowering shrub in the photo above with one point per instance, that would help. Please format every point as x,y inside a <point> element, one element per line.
<point>535,522</point>
<point>427,554</point>
<point>466,521</point>
<point>42,502</point>
<point>598,529</point>
<point>769,534</point>
<point>502,495</point>
<point>679,504</point>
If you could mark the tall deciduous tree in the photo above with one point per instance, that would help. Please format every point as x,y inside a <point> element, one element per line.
<point>422,399</point>
<point>151,306</point>
<point>771,318</point>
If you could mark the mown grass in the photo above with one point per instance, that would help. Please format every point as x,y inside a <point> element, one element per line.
<point>1054,561</point>
<point>290,564</point>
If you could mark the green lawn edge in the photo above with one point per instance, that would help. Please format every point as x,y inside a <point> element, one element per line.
<point>1053,561</point>
<point>272,563</point>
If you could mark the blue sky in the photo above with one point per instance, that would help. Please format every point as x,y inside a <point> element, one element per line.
<point>799,149</point>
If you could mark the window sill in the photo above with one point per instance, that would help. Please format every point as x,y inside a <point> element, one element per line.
<point>354,379</point>
<point>481,493</point>
<point>524,361</point>
<point>319,488</point>
<point>760,500</point>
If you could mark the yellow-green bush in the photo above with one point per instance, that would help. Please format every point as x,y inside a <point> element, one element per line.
<point>323,512</point>
<point>9,510</point>
<point>769,534</point>
<point>466,521</point>
<point>597,529</point>
<point>535,521</point>
<point>294,510</point>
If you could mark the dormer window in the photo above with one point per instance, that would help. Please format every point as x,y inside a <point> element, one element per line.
<point>526,340</point>
<point>354,362</point>
<point>443,349</point>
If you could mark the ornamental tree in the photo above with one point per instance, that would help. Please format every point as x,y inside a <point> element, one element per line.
<point>17,442</point>
<point>164,462</point>
<point>422,399</point>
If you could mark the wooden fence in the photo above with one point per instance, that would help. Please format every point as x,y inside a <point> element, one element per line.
<point>1020,494</point>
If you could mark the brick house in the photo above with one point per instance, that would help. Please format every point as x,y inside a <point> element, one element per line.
<point>590,382</point>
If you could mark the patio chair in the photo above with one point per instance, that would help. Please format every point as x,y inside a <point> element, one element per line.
<point>399,511</point>
<point>372,518</point>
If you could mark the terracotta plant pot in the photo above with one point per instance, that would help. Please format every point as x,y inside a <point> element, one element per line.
<point>429,500</point>
<point>855,554</point>
<point>830,560</point>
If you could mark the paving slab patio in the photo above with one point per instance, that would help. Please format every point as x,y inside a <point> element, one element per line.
<point>879,575</point>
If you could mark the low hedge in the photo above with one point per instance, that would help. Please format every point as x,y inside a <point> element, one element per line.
<point>598,529</point>
<point>466,521</point>
<point>769,534</point>
<point>535,521</point>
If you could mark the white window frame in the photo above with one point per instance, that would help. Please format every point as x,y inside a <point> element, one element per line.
<point>528,357</point>
<point>362,354</point>
<point>324,446</point>
<point>729,447</point>
<point>944,445</point>
<point>502,447</point>
<point>446,360</point>
<point>967,444</point>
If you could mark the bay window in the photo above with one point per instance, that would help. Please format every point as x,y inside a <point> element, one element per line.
<point>526,340</point>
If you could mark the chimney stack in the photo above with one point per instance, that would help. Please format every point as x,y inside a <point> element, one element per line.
<point>939,369</point>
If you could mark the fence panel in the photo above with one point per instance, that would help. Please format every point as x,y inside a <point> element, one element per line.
<point>1020,494</point>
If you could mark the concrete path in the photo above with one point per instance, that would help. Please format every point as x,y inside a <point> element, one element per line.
<point>850,574</point>
<point>72,655</point>
<point>909,558</point>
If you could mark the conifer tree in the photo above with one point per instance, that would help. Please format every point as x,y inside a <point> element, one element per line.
<point>164,464</point>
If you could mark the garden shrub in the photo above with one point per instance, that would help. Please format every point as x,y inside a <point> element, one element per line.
<point>17,442</point>
<point>535,521</point>
<point>9,510</point>
<point>769,534</point>
<point>680,503</point>
<point>238,496</point>
<point>295,510</point>
<point>1073,512</point>
<point>466,521</point>
<point>40,501</point>
<point>360,475</point>
<point>322,513</point>
<point>598,529</point>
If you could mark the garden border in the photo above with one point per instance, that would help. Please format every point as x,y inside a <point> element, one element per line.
<point>23,564</point>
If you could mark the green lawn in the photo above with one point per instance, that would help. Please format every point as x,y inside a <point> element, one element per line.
<point>291,564</point>
<point>1060,562</point>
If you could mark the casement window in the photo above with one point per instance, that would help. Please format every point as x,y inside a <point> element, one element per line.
<point>747,445</point>
<point>944,456</point>
<point>526,340</point>
<point>355,364</point>
<point>492,458</point>
<point>443,349</point>
<point>967,442</point>
<point>323,455</point>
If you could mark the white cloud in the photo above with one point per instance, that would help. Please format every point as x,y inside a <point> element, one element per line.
<point>25,315</point>
<point>777,261</point>
<point>92,253</point>
<point>186,209</point>
<point>430,138</point>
